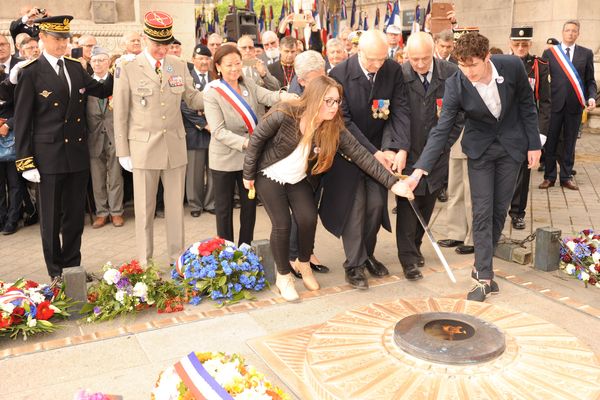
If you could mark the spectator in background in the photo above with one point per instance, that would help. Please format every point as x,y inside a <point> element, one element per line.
<point>19,42</point>
<point>283,69</point>
<point>213,42</point>
<point>75,40</point>
<point>444,45</point>
<point>131,43</point>
<point>336,53</point>
<point>259,52</point>
<point>270,43</point>
<point>30,49</point>
<point>307,65</point>
<point>496,50</point>
<point>24,24</point>
<point>394,36</point>
<point>253,67</point>
<point>175,48</point>
<point>87,43</point>
<point>344,37</point>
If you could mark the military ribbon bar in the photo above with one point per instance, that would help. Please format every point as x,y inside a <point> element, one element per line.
<point>569,69</point>
<point>198,381</point>
<point>237,102</point>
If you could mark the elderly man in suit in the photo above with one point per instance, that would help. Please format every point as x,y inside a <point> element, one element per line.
<point>501,131</point>
<point>107,180</point>
<point>425,78</point>
<point>573,89</point>
<point>198,178</point>
<point>375,109</point>
<point>149,132</point>
<point>51,138</point>
<point>254,68</point>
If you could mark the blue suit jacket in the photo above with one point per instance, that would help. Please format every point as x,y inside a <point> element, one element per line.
<point>516,129</point>
<point>194,122</point>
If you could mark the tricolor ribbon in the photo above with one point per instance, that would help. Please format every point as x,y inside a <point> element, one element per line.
<point>569,69</point>
<point>198,381</point>
<point>11,296</point>
<point>237,102</point>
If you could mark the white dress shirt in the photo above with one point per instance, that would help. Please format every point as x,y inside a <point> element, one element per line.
<point>291,169</point>
<point>489,93</point>
<point>571,50</point>
<point>7,65</point>
<point>54,63</point>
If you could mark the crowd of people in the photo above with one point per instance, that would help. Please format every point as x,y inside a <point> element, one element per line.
<point>317,131</point>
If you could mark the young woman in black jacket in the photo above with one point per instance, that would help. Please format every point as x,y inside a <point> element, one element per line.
<point>294,143</point>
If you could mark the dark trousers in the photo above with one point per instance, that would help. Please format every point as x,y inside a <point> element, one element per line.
<point>409,232</point>
<point>278,199</point>
<point>62,211</point>
<point>492,177</point>
<point>568,123</point>
<point>11,193</point>
<point>294,229</point>
<point>518,205</point>
<point>359,236</point>
<point>224,186</point>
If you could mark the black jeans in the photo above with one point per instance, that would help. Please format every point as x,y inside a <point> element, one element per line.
<point>278,199</point>
<point>11,193</point>
<point>224,185</point>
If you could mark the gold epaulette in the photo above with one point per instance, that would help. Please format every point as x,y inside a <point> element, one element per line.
<point>28,63</point>
<point>25,164</point>
<point>71,58</point>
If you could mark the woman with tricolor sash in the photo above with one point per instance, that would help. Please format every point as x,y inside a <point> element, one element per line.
<point>292,145</point>
<point>230,104</point>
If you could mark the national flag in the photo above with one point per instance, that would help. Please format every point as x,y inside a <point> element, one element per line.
<point>261,19</point>
<point>376,22</point>
<point>427,12</point>
<point>353,14</point>
<point>271,16</point>
<point>395,18</point>
<point>336,27</point>
<point>416,26</point>
<point>343,11</point>
<point>388,12</point>
<point>250,5</point>
<point>198,381</point>
<point>360,20</point>
<point>217,24</point>
<point>365,26</point>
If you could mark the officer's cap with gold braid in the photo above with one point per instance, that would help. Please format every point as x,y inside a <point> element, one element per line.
<point>458,32</point>
<point>158,27</point>
<point>59,25</point>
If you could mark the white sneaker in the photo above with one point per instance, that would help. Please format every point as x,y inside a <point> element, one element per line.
<point>285,284</point>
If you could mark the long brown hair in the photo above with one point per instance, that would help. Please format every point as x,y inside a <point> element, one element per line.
<point>325,136</point>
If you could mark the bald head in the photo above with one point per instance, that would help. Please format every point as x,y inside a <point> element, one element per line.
<point>419,50</point>
<point>372,38</point>
<point>372,50</point>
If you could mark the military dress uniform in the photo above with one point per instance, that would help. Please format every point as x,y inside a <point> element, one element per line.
<point>51,136</point>
<point>149,129</point>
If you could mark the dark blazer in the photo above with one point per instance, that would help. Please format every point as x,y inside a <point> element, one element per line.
<point>7,105</point>
<point>563,94</point>
<point>17,26</point>
<point>374,134</point>
<point>100,121</point>
<point>516,129</point>
<point>541,89</point>
<point>277,136</point>
<point>424,116</point>
<point>50,125</point>
<point>277,71</point>
<point>194,122</point>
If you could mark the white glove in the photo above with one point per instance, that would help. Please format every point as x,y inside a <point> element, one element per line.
<point>126,163</point>
<point>543,139</point>
<point>14,71</point>
<point>32,175</point>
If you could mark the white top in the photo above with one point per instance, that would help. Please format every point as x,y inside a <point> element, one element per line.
<point>489,93</point>
<point>54,63</point>
<point>571,51</point>
<point>7,65</point>
<point>291,169</point>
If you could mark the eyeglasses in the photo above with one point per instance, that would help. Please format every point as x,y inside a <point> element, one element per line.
<point>332,102</point>
<point>246,47</point>
<point>269,44</point>
<point>100,60</point>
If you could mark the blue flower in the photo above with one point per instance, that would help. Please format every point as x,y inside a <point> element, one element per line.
<point>237,288</point>
<point>211,274</point>
<point>216,294</point>
<point>195,300</point>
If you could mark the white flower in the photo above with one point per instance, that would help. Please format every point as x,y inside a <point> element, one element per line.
<point>31,322</point>
<point>245,246</point>
<point>223,373</point>
<point>251,394</point>
<point>585,276</point>
<point>194,249</point>
<point>596,257</point>
<point>120,296</point>
<point>112,276</point>
<point>140,290</point>
<point>570,269</point>
<point>8,307</point>
<point>571,245</point>
<point>36,297</point>
<point>167,386</point>
<point>54,308</point>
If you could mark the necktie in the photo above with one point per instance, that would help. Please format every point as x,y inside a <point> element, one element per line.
<point>392,54</point>
<point>61,73</point>
<point>425,82</point>
<point>568,50</point>
<point>202,81</point>
<point>101,102</point>
<point>371,78</point>
<point>158,70</point>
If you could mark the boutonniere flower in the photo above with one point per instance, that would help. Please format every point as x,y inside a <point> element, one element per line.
<point>82,90</point>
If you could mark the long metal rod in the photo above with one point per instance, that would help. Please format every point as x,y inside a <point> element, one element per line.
<point>437,249</point>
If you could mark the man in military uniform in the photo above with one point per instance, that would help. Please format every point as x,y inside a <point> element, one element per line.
<point>539,79</point>
<point>149,132</point>
<point>51,138</point>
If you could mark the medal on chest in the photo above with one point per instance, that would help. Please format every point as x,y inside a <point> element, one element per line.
<point>380,108</point>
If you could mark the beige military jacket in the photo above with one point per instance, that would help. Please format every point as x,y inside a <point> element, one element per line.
<point>147,115</point>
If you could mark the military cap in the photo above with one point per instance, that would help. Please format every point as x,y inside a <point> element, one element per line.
<point>522,33</point>
<point>202,50</point>
<point>58,26</point>
<point>175,41</point>
<point>552,41</point>
<point>158,27</point>
<point>354,36</point>
<point>458,32</point>
<point>394,29</point>
<point>97,50</point>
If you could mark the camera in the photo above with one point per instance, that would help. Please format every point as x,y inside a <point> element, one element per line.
<point>41,11</point>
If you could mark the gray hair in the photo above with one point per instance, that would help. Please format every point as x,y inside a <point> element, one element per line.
<point>572,22</point>
<point>126,36</point>
<point>334,43</point>
<point>308,61</point>
<point>445,36</point>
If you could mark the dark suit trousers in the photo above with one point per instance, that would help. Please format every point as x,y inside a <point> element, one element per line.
<point>518,205</point>
<point>359,236</point>
<point>493,177</point>
<point>568,123</point>
<point>224,183</point>
<point>62,211</point>
<point>409,232</point>
<point>11,193</point>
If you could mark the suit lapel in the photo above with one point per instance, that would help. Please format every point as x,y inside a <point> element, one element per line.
<point>147,69</point>
<point>358,76</point>
<point>52,76</point>
<point>415,83</point>
<point>474,94</point>
<point>501,84</point>
<point>435,79</point>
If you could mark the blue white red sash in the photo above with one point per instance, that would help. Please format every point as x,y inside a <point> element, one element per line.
<point>237,102</point>
<point>11,296</point>
<point>198,381</point>
<point>569,69</point>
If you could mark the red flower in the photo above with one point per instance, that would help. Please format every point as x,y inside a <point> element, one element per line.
<point>44,312</point>
<point>132,268</point>
<point>586,232</point>
<point>5,322</point>
<point>30,284</point>
<point>592,280</point>
<point>567,258</point>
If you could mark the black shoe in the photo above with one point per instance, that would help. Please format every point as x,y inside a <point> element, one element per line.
<point>479,291</point>
<point>9,228</point>
<point>395,210</point>
<point>31,219</point>
<point>196,214</point>
<point>211,211</point>
<point>420,261</point>
<point>464,249</point>
<point>542,167</point>
<point>495,289</point>
<point>356,278</point>
<point>376,268</point>
<point>518,223</point>
<point>443,196</point>
<point>319,268</point>
<point>573,172</point>
<point>159,214</point>
<point>297,274</point>
<point>411,272</point>
<point>449,242</point>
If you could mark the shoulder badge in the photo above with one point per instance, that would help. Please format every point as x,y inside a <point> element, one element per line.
<point>28,63</point>
<point>72,59</point>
